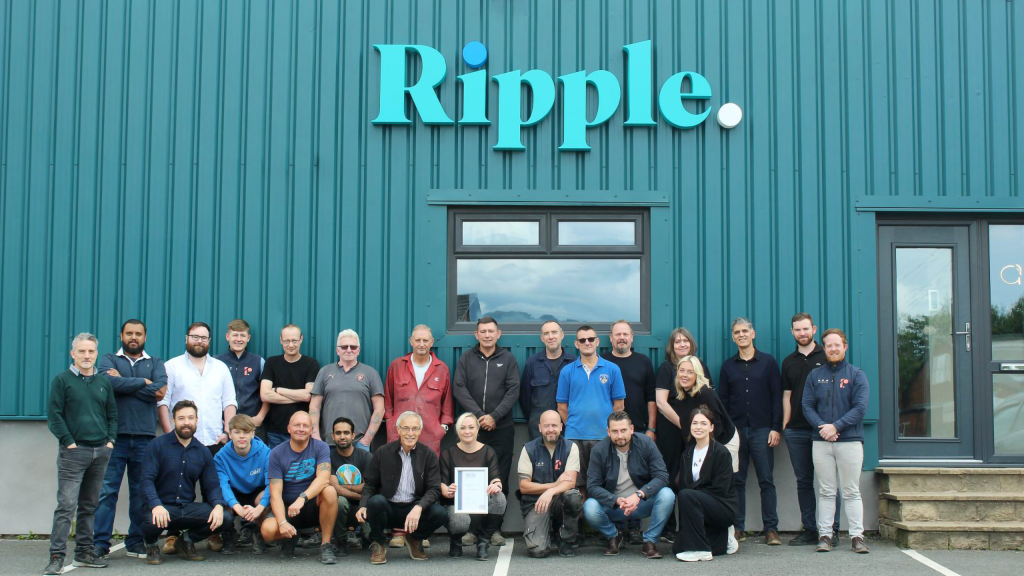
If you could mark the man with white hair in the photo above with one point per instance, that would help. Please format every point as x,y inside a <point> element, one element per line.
<point>82,414</point>
<point>401,487</point>
<point>347,388</point>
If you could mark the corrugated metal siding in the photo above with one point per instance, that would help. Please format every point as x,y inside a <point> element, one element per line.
<point>180,160</point>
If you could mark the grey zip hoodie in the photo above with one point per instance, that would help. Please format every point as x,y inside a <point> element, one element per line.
<point>488,385</point>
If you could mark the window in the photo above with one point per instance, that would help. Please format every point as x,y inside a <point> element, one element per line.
<point>527,266</point>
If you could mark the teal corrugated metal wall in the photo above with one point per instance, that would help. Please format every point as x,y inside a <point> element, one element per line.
<point>180,160</point>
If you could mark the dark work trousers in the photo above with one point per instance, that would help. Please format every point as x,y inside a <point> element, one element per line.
<point>754,447</point>
<point>190,518</point>
<point>704,523</point>
<point>80,472</point>
<point>199,487</point>
<point>502,441</point>
<point>382,514</point>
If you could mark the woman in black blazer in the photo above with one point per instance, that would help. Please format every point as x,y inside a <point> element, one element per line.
<point>707,499</point>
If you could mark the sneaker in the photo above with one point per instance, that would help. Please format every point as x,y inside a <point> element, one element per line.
<point>741,536</point>
<point>824,544</point>
<point>733,545</point>
<point>702,556</point>
<point>137,551</point>
<point>425,543</point>
<point>88,560</point>
<point>497,539</point>
<point>469,539</point>
<point>245,537</point>
<point>315,540</point>
<point>565,549</point>
<point>805,538</point>
<point>538,553</point>
<point>353,539</point>
<point>636,537</point>
<point>327,554</point>
<point>187,550</point>
<point>288,547</point>
<point>215,543</point>
<point>101,552</point>
<point>397,541</point>
<point>771,538</point>
<point>169,545</point>
<point>55,566</point>
<point>378,553</point>
<point>858,545</point>
<point>670,537</point>
<point>153,556</point>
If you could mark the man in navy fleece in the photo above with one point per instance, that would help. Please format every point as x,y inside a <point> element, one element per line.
<point>242,470</point>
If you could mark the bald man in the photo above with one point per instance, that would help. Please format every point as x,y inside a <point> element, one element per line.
<point>419,382</point>
<point>298,472</point>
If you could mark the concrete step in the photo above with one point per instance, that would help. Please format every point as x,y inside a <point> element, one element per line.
<point>952,506</point>
<point>944,535</point>
<point>899,480</point>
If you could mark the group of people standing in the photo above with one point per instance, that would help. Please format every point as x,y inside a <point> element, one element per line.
<point>283,445</point>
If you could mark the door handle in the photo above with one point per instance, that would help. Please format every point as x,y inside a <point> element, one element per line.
<point>1012,367</point>
<point>966,332</point>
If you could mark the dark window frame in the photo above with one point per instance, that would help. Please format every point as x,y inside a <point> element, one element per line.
<point>548,249</point>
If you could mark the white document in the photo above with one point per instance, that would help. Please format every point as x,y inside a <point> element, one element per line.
<point>471,490</point>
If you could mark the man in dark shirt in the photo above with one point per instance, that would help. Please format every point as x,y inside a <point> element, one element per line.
<point>638,378</point>
<point>247,372</point>
<point>139,381</point>
<point>799,435</point>
<point>539,383</point>
<point>300,496</point>
<point>351,491</point>
<point>173,465</point>
<point>401,488</point>
<point>751,390</point>
<point>287,385</point>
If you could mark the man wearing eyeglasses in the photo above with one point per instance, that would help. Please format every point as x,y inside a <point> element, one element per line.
<point>286,385</point>
<point>589,390</point>
<point>348,388</point>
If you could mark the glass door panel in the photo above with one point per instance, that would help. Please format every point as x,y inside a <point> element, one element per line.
<point>1006,290</point>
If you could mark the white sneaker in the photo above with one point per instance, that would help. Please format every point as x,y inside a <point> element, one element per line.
<point>694,556</point>
<point>733,545</point>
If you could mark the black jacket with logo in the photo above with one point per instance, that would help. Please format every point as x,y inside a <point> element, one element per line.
<point>488,384</point>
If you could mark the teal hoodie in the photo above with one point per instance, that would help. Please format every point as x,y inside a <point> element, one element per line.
<point>243,475</point>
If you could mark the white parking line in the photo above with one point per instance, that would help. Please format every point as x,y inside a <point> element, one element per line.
<point>930,563</point>
<point>504,558</point>
<point>70,567</point>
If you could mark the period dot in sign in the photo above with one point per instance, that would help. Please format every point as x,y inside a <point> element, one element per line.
<point>729,115</point>
<point>474,54</point>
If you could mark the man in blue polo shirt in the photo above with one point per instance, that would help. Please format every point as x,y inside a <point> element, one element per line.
<point>589,390</point>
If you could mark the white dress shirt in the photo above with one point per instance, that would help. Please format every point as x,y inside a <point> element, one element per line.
<point>212,391</point>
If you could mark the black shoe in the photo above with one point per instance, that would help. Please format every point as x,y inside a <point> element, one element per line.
<point>259,545</point>
<point>315,540</point>
<point>805,538</point>
<point>538,553</point>
<point>55,566</point>
<point>88,560</point>
<point>101,552</point>
<point>636,537</point>
<point>245,537</point>
<point>154,555</point>
<point>352,539</point>
<point>565,549</point>
<point>137,551</point>
<point>327,554</point>
<point>187,549</point>
<point>288,547</point>
<point>481,550</point>
<point>230,544</point>
<point>455,546</point>
<point>668,537</point>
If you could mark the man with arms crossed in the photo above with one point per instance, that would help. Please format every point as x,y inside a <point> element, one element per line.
<point>246,370</point>
<point>286,384</point>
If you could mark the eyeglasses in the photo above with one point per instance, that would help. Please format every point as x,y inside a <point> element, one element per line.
<point>407,429</point>
<point>290,342</point>
<point>352,347</point>
<point>197,338</point>
<point>587,340</point>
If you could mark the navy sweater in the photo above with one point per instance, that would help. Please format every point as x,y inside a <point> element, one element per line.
<point>136,401</point>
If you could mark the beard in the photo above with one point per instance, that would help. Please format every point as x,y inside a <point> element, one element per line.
<point>621,442</point>
<point>197,350</point>
<point>804,340</point>
<point>837,358</point>
<point>133,349</point>
<point>184,432</point>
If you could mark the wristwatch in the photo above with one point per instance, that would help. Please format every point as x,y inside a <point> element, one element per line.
<point>640,495</point>
<point>304,497</point>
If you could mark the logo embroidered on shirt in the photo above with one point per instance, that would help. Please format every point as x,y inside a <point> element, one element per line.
<point>360,377</point>
<point>499,365</point>
<point>247,370</point>
<point>843,382</point>
<point>603,378</point>
<point>437,378</point>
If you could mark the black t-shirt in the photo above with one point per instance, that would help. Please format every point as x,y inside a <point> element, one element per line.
<point>638,379</point>
<point>292,375</point>
<point>454,457</point>
<point>795,369</point>
<point>360,459</point>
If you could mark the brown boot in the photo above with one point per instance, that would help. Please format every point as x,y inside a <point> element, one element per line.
<point>771,538</point>
<point>858,545</point>
<point>613,545</point>
<point>187,550</point>
<point>378,553</point>
<point>650,550</point>
<point>169,545</point>
<point>215,543</point>
<point>415,548</point>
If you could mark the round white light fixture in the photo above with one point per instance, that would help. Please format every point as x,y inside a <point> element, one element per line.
<point>729,115</point>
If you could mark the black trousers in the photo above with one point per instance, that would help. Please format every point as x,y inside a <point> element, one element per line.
<point>189,517</point>
<point>382,514</point>
<point>502,441</point>
<point>704,523</point>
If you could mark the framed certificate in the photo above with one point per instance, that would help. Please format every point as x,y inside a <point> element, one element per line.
<point>471,490</point>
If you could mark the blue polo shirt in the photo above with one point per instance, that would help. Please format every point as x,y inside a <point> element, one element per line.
<point>589,397</point>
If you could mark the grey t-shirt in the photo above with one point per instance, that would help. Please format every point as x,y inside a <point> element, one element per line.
<point>624,487</point>
<point>346,394</point>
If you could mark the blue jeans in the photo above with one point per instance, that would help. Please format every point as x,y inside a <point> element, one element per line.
<point>276,438</point>
<point>659,508</point>
<point>754,446</point>
<point>128,452</point>
<point>799,441</point>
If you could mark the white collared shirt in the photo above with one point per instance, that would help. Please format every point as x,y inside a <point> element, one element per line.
<point>132,361</point>
<point>212,391</point>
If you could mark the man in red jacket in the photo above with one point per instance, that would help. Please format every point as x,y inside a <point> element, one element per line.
<point>420,383</point>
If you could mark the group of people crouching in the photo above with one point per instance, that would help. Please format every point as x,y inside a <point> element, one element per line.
<point>354,498</point>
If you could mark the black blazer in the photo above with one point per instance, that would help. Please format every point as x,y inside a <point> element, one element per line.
<point>716,476</point>
<point>385,471</point>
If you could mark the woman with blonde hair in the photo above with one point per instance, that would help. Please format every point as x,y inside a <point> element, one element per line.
<point>471,453</point>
